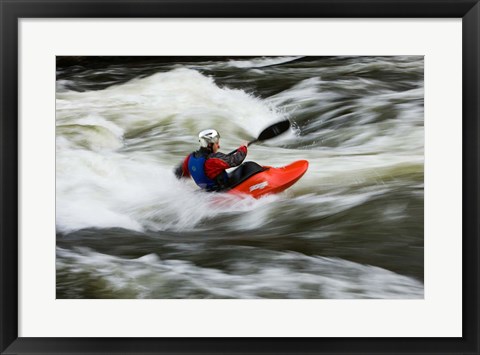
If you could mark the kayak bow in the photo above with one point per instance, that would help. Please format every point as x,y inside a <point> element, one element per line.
<point>271,180</point>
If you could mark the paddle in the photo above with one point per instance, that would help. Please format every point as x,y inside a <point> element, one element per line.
<point>272,131</point>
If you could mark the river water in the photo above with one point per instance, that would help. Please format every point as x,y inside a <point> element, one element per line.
<point>352,227</point>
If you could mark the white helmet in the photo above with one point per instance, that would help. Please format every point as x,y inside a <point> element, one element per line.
<point>207,137</point>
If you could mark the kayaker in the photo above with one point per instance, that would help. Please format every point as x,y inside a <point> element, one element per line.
<point>207,165</point>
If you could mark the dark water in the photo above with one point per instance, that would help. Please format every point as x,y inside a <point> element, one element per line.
<point>352,227</point>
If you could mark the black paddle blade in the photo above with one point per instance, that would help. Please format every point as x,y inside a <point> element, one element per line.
<point>274,130</point>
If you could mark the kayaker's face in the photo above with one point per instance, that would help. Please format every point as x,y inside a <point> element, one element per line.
<point>216,146</point>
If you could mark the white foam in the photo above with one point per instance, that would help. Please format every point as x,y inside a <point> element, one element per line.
<point>100,184</point>
<point>271,274</point>
<point>116,149</point>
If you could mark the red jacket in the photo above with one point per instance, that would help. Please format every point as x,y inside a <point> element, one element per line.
<point>216,163</point>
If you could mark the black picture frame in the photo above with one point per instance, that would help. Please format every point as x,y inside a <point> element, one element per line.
<point>12,11</point>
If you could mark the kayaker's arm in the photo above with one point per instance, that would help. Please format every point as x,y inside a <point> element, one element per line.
<point>181,171</point>
<point>245,145</point>
<point>234,158</point>
<point>219,162</point>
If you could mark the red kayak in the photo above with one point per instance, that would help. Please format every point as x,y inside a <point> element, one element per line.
<point>256,181</point>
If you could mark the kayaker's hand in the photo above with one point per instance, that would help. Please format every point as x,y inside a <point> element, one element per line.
<point>243,148</point>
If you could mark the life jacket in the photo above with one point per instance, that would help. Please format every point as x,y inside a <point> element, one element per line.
<point>196,167</point>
